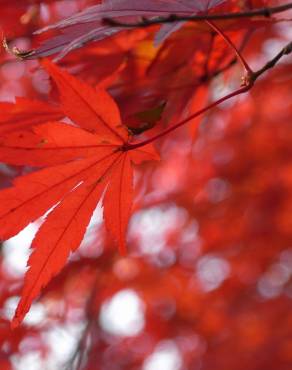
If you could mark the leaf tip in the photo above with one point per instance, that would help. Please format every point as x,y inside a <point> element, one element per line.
<point>19,315</point>
<point>123,248</point>
<point>16,321</point>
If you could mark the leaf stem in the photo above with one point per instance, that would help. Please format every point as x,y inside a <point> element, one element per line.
<point>187,119</point>
<point>246,86</point>
<point>240,57</point>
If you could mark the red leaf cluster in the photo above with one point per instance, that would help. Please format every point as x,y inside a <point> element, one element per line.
<point>181,263</point>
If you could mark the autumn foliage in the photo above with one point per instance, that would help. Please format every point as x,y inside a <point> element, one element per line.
<point>148,145</point>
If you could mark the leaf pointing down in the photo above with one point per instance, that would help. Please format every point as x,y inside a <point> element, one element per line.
<point>80,162</point>
<point>60,234</point>
<point>118,201</point>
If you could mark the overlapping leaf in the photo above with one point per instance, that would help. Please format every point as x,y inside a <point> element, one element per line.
<point>88,25</point>
<point>26,113</point>
<point>82,162</point>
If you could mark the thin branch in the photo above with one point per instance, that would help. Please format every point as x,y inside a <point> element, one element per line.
<point>244,42</point>
<point>75,362</point>
<point>262,12</point>
<point>186,120</point>
<point>247,84</point>
<point>270,64</point>
<point>232,45</point>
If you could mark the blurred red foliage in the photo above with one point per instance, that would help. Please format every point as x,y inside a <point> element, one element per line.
<point>207,283</point>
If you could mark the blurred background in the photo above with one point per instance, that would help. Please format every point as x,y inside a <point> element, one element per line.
<point>207,283</point>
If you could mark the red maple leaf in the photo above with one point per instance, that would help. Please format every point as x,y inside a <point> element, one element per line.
<point>82,161</point>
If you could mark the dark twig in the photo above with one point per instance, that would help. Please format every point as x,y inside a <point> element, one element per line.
<point>146,22</point>
<point>285,51</point>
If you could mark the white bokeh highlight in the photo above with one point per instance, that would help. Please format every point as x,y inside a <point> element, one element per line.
<point>123,314</point>
<point>16,251</point>
<point>166,356</point>
<point>212,271</point>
